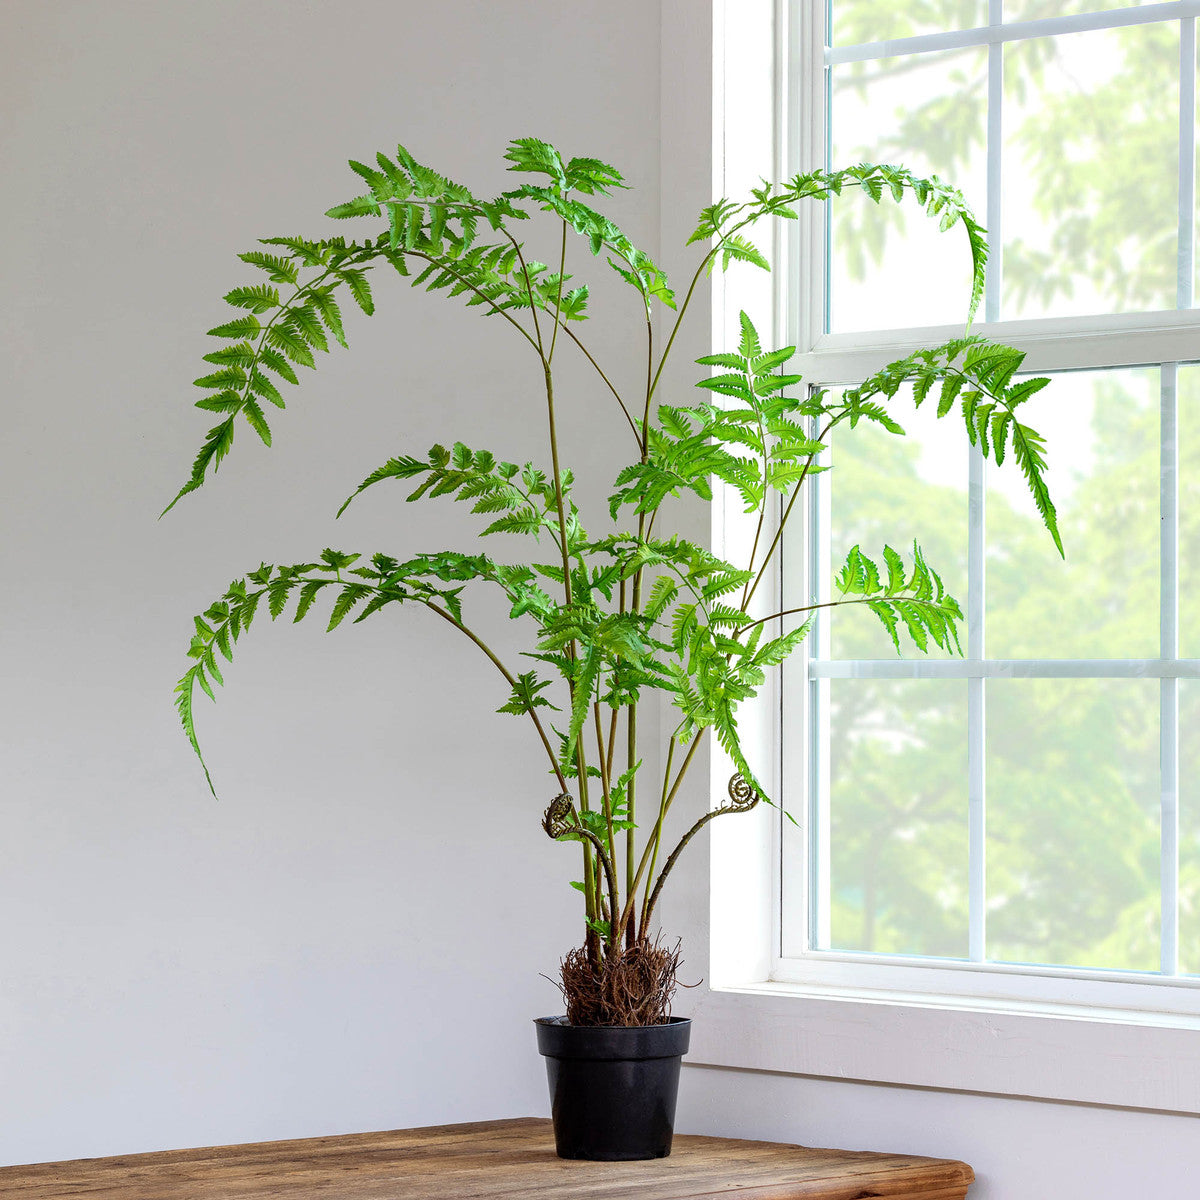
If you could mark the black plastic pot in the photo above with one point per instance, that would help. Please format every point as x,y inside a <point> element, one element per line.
<point>613,1088</point>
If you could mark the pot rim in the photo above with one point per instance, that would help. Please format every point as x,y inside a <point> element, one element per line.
<point>561,1023</point>
<point>613,1043</point>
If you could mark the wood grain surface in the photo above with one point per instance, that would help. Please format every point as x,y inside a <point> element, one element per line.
<point>488,1159</point>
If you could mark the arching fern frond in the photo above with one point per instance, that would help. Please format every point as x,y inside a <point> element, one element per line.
<point>722,222</point>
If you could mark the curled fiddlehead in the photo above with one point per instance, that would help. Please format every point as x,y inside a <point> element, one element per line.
<point>560,820</point>
<point>742,798</point>
<point>559,817</point>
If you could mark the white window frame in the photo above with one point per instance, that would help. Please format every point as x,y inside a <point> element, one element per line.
<point>1084,1036</point>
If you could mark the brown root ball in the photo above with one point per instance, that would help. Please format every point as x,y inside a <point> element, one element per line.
<point>633,986</point>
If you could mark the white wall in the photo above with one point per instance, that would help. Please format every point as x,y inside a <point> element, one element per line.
<point>351,938</point>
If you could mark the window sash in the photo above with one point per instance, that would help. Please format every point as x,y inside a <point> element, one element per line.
<point>975,667</point>
<point>1163,339</point>
<point>997,32</point>
<point>807,133</point>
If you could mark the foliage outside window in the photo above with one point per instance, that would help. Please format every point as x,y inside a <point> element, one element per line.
<point>1035,805</point>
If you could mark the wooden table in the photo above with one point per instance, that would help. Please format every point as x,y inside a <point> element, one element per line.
<point>482,1161</point>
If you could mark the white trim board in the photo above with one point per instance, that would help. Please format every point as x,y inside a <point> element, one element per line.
<point>1130,1062</point>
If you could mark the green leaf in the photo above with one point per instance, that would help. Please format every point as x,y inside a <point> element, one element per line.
<point>750,347</point>
<point>258,299</point>
<point>239,355</point>
<point>242,327</point>
<point>734,362</point>
<point>350,595</point>
<point>229,377</point>
<point>277,363</point>
<point>227,401</point>
<point>740,249</point>
<point>360,289</point>
<point>308,593</point>
<point>360,206</point>
<point>262,387</point>
<point>285,338</point>
<point>304,320</point>
<point>951,386</point>
<point>258,422</point>
<point>331,314</point>
<point>281,270</point>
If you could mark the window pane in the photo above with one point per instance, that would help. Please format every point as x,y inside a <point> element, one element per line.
<point>890,265</point>
<point>1036,10</point>
<point>1102,430</point>
<point>890,490</point>
<point>1073,819</point>
<point>1189,826</point>
<point>1189,511</point>
<point>854,22</point>
<point>1090,172</point>
<point>898,814</point>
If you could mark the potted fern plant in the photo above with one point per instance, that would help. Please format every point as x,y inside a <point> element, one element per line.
<point>620,613</point>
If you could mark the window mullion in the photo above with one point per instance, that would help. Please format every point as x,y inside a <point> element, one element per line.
<point>995,143</point>
<point>1169,687</point>
<point>1187,161</point>
<point>977,535</point>
<point>976,716</point>
<point>819,740</point>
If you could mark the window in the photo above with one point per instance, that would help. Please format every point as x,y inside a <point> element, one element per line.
<point>1023,821</point>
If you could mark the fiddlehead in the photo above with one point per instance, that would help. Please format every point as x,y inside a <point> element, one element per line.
<point>560,820</point>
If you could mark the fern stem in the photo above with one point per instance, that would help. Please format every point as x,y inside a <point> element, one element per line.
<point>787,612</point>
<point>627,913</point>
<point>662,362</point>
<point>441,612</point>
<point>446,266</point>
<point>605,779</point>
<point>612,738</point>
<point>631,756</point>
<point>630,810</point>
<point>762,508</point>
<point>787,512</point>
<point>608,382</point>
<point>562,266</point>
<point>649,384</point>
<point>591,881</point>
<point>564,545</point>
<point>664,808</point>
<point>533,307</point>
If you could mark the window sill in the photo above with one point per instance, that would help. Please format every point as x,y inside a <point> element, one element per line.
<point>1118,1058</point>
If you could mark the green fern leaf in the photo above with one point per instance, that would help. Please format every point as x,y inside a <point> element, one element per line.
<point>243,327</point>
<point>360,289</point>
<point>350,595</point>
<point>280,270</point>
<point>277,363</point>
<point>331,314</point>
<point>257,421</point>
<point>360,206</point>
<point>262,387</point>
<point>285,338</point>
<point>304,320</point>
<point>227,401</point>
<point>258,299</point>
